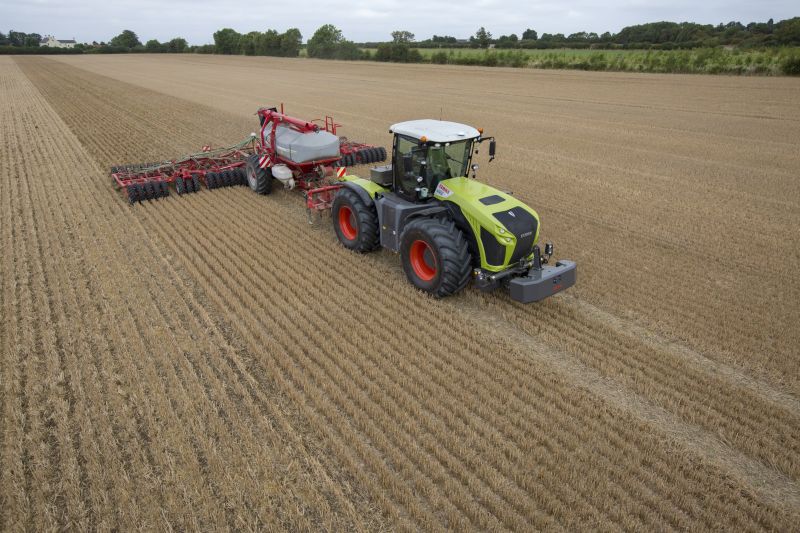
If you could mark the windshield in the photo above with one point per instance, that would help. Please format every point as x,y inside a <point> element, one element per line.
<point>448,160</point>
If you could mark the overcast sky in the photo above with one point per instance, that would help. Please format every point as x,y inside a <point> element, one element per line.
<point>365,20</point>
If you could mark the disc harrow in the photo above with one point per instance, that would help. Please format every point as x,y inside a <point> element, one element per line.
<point>222,167</point>
<point>359,154</point>
<point>318,178</point>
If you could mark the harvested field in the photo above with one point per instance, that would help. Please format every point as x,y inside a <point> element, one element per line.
<point>213,361</point>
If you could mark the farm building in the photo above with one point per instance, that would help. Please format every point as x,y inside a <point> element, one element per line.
<point>49,40</point>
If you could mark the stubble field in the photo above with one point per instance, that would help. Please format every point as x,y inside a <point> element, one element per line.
<point>212,361</point>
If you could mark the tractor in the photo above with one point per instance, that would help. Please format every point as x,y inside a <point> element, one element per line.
<point>447,227</point>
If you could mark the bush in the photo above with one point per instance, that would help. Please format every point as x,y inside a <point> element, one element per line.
<point>398,53</point>
<point>27,50</point>
<point>440,58</point>
<point>791,65</point>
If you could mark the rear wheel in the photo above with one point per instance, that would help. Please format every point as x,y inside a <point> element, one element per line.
<point>259,179</point>
<point>355,222</point>
<point>435,256</point>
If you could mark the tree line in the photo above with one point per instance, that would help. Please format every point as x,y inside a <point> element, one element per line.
<point>650,36</point>
<point>226,41</point>
<point>328,41</point>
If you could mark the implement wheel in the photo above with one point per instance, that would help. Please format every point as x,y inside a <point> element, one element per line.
<point>133,193</point>
<point>355,223</point>
<point>435,256</point>
<point>259,179</point>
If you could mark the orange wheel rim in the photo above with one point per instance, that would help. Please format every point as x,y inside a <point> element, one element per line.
<point>422,260</point>
<point>346,223</point>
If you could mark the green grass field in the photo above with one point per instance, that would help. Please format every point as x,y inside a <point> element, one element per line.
<point>771,61</point>
<point>476,52</point>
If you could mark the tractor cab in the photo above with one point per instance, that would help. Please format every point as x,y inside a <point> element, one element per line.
<point>426,152</point>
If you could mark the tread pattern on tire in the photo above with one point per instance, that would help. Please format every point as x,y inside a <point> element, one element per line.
<point>456,264</point>
<point>263,177</point>
<point>368,238</point>
<point>133,193</point>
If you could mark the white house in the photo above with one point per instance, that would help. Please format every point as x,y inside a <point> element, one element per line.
<point>49,40</point>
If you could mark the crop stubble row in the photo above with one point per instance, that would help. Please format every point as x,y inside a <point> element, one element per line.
<point>659,186</point>
<point>669,380</point>
<point>332,392</point>
<point>163,450</point>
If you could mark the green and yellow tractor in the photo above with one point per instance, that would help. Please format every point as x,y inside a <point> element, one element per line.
<point>447,227</point>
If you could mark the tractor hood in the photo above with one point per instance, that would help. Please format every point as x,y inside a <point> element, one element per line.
<point>504,228</point>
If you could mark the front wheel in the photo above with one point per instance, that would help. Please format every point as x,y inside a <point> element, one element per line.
<point>435,256</point>
<point>259,179</point>
<point>355,222</point>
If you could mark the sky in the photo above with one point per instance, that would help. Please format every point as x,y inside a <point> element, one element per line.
<point>365,20</point>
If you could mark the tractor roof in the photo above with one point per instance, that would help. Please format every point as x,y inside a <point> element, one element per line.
<point>435,130</point>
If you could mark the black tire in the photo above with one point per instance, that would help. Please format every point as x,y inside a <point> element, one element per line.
<point>133,193</point>
<point>382,153</point>
<point>180,186</point>
<point>355,222</point>
<point>150,192</point>
<point>258,179</point>
<point>211,180</point>
<point>229,178</point>
<point>195,184</point>
<point>164,188</point>
<point>241,179</point>
<point>435,256</point>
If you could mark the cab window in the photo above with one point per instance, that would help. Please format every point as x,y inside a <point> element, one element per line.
<point>407,153</point>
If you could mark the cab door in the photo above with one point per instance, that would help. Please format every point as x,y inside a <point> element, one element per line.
<point>408,164</point>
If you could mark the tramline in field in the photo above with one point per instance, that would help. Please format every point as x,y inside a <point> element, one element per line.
<point>447,227</point>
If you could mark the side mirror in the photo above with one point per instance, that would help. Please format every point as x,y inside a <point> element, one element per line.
<point>492,149</point>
